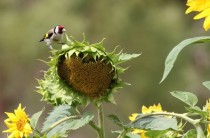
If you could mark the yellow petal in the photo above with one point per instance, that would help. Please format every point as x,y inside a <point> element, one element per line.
<point>27,128</point>
<point>143,135</point>
<point>159,108</point>
<point>208,130</point>
<point>188,10</point>
<point>133,116</point>
<point>14,134</point>
<point>11,116</point>
<point>202,14</point>
<point>138,131</point>
<point>145,110</point>
<point>206,24</point>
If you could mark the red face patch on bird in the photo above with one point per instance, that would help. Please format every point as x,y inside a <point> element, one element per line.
<point>60,29</point>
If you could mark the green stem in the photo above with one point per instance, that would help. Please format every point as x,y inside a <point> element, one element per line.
<point>122,134</point>
<point>94,126</point>
<point>61,121</point>
<point>101,133</point>
<point>195,123</point>
<point>205,122</point>
<point>199,130</point>
<point>36,131</point>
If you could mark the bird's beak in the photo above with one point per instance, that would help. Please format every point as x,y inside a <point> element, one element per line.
<point>64,30</point>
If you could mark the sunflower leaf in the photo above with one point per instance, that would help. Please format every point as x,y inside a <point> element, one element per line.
<point>35,117</point>
<point>207,84</point>
<point>172,56</point>
<point>197,110</point>
<point>73,124</point>
<point>110,98</point>
<point>186,97</point>
<point>115,120</point>
<point>58,113</point>
<point>77,123</point>
<point>155,123</point>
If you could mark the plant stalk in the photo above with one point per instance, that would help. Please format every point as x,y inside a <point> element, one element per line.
<point>94,126</point>
<point>101,133</point>
<point>122,134</point>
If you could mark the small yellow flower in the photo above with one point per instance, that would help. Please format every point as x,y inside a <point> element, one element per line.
<point>145,110</point>
<point>18,124</point>
<point>203,7</point>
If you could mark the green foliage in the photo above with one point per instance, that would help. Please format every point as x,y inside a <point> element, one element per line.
<point>197,110</point>
<point>186,97</point>
<point>207,84</point>
<point>58,113</point>
<point>159,134</point>
<point>35,117</point>
<point>62,129</point>
<point>154,123</point>
<point>116,120</point>
<point>172,56</point>
<point>60,121</point>
<point>190,134</point>
<point>77,123</point>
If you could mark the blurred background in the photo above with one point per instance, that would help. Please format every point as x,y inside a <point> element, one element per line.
<point>149,27</point>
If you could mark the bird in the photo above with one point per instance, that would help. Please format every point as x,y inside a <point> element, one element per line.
<point>54,35</point>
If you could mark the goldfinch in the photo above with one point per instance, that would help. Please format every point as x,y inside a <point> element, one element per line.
<point>54,35</point>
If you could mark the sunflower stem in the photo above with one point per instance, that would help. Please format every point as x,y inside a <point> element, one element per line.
<point>122,134</point>
<point>36,131</point>
<point>101,133</point>
<point>94,126</point>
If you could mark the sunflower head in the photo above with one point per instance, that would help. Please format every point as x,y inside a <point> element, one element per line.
<point>81,72</point>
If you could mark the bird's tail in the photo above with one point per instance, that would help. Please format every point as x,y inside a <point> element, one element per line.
<point>41,40</point>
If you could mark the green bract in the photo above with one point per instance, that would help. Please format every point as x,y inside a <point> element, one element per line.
<point>81,72</point>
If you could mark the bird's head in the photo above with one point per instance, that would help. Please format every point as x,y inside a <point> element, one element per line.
<point>59,29</point>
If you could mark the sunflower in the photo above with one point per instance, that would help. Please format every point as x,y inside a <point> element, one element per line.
<point>18,124</point>
<point>203,7</point>
<point>80,73</point>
